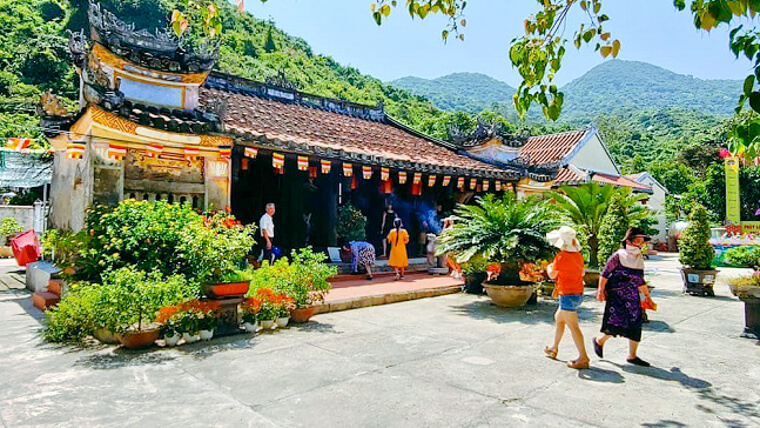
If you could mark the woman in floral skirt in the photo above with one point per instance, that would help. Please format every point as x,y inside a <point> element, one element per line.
<point>620,284</point>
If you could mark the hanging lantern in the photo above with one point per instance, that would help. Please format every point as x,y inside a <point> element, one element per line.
<point>485,185</point>
<point>366,172</point>
<point>348,169</point>
<point>460,183</point>
<point>18,143</point>
<point>251,152</point>
<point>312,172</point>
<point>386,187</point>
<point>446,180</point>
<point>385,173</point>
<point>417,178</point>
<point>417,188</point>
<point>75,149</point>
<point>401,177</point>
<point>497,186</point>
<point>473,183</point>
<point>354,182</point>
<point>190,152</point>
<point>278,161</point>
<point>224,152</point>
<point>117,152</point>
<point>244,164</point>
<point>325,165</point>
<point>303,163</point>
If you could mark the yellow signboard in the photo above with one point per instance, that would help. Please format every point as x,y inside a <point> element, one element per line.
<point>751,227</point>
<point>733,205</point>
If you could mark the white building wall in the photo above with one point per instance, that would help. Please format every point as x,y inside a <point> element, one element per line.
<point>656,203</point>
<point>593,157</point>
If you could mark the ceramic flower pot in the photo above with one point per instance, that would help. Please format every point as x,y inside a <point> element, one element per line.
<point>251,327</point>
<point>750,295</point>
<point>206,334</point>
<point>282,322</point>
<point>509,296</point>
<point>105,336</point>
<point>190,338</point>
<point>172,340</point>
<point>226,289</point>
<point>267,324</point>
<point>138,339</point>
<point>302,314</point>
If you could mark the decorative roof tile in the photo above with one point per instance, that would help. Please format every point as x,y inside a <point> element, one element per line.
<point>543,149</point>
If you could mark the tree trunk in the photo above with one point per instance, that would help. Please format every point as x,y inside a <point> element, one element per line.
<point>510,274</point>
<point>593,251</point>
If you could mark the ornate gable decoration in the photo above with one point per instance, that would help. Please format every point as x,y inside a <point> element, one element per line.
<point>159,51</point>
<point>486,131</point>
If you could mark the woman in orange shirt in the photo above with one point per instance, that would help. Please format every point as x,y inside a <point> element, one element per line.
<point>398,238</point>
<point>567,271</point>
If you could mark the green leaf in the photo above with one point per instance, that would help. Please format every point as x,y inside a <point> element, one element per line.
<point>749,83</point>
<point>754,101</point>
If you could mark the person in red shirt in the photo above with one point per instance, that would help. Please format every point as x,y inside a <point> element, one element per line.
<point>567,271</point>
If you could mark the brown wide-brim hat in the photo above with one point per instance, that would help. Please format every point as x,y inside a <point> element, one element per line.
<point>636,232</point>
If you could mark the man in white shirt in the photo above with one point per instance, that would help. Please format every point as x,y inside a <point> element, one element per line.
<point>266,225</point>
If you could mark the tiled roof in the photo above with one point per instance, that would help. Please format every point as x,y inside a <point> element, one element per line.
<point>635,177</point>
<point>619,180</point>
<point>543,149</point>
<point>292,122</point>
<point>568,176</point>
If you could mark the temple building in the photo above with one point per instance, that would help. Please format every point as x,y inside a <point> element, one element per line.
<point>156,123</point>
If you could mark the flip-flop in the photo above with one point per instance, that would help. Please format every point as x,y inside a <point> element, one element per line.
<point>577,365</point>
<point>550,353</point>
<point>598,349</point>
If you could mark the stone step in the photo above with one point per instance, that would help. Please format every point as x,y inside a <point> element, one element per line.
<point>56,286</point>
<point>43,300</point>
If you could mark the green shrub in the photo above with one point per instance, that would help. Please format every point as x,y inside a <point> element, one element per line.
<point>305,279</point>
<point>696,252</point>
<point>612,230</point>
<point>745,256</point>
<point>158,236</point>
<point>351,223</point>
<point>126,299</point>
<point>9,226</point>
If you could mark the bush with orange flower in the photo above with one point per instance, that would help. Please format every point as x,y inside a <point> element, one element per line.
<point>273,305</point>
<point>250,308</point>
<point>189,317</point>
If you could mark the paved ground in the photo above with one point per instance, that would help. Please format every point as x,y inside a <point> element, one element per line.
<point>454,360</point>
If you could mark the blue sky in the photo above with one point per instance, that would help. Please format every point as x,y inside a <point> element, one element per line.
<point>649,30</point>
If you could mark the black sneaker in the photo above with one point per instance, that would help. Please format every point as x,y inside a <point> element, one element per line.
<point>639,362</point>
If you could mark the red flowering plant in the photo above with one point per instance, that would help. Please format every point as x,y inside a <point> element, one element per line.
<point>273,305</point>
<point>250,309</point>
<point>535,272</point>
<point>191,316</point>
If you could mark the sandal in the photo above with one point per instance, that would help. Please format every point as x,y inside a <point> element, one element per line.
<point>550,353</point>
<point>639,362</point>
<point>369,277</point>
<point>577,364</point>
<point>398,277</point>
<point>598,349</point>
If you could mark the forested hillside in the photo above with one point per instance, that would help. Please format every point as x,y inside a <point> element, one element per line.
<point>468,92</point>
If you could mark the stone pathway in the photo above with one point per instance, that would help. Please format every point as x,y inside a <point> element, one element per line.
<point>454,360</point>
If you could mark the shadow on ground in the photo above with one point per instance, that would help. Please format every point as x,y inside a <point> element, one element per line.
<point>121,357</point>
<point>541,312</point>
<point>596,374</point>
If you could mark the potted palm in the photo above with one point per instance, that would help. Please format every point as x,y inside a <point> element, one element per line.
<point>504,231</point>
<point>747,289</point>
<point>9,227</point>
<point>697,254</point>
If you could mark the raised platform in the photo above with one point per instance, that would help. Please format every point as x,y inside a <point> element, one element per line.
<point>359,293</point>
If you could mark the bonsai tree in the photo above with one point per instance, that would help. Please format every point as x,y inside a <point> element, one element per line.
<point>351,223</point>
<point>504,231</point>
<point>9,227</point>
<point>612,230</point>
<point>696,252</point>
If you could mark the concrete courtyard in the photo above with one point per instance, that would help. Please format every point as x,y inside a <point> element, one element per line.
<point>455,360</point>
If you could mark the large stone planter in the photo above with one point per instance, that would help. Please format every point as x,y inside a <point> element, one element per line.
<point>226,289</point>
<point>139,339</point>
<point>105,336</point>
<point>509,296</point>
<point>699,282</point>
<point>751,297</point>
<point>6,251</point>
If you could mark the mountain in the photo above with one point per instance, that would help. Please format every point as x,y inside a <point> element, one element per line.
<point>614,86</point>
<point>618,86</point>
<point>468,92</point>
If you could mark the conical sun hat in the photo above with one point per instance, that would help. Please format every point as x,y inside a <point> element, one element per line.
<point>564,238</point>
